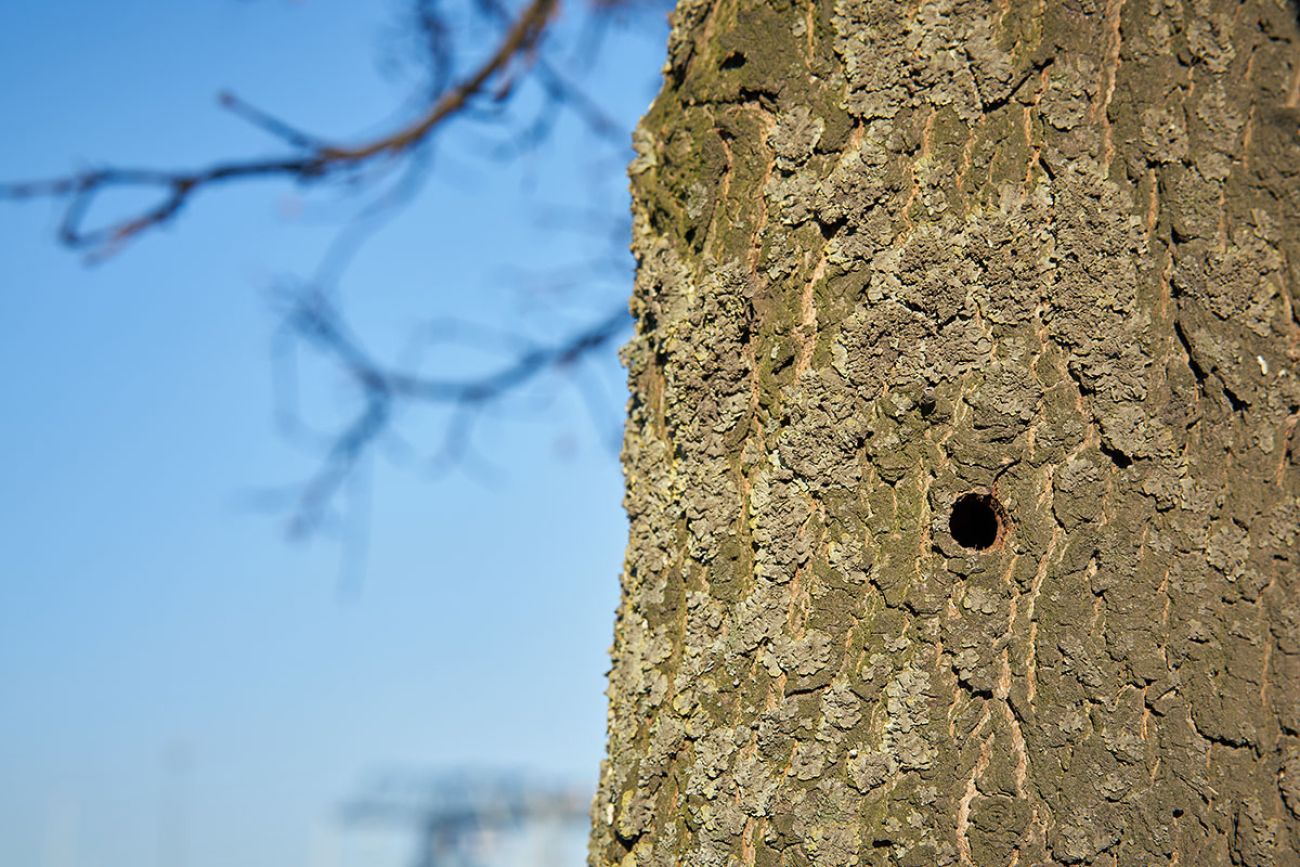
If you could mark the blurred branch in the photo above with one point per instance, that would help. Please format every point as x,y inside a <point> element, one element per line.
<point>316,322</point>
<point>312,319</point>
<point>435,35</point>
<point>312,160</point>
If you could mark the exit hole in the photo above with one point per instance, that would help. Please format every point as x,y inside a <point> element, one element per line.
<point>976,521</point>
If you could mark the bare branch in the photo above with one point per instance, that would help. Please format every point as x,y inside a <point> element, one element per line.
<point>312,160</point>
<point>317,322</point>
<point>437,43</point>
<point>311,319</point>
<point>269,122</point>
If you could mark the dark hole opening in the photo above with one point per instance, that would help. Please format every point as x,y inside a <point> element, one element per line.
<point>976,521</point>
<point>734,60</point>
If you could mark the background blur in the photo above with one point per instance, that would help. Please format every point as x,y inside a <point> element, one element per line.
<point>180,684</point>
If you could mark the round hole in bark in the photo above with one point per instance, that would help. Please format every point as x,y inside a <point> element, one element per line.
<point>976,520</point>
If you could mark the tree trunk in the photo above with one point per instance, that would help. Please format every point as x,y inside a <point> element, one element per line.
<point>962,458</point>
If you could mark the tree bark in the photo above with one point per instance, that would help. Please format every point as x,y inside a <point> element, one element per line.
<point>962,454</point>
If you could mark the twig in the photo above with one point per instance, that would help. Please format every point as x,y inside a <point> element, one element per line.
<point>317,323</point>
<point>312,161</point>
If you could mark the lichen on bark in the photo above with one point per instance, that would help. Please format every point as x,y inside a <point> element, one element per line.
<point>891,253</point>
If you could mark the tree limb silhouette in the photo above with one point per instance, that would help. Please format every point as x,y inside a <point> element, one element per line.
<point>315,321</point>
<point>313,159</point>
<point>312,316</point>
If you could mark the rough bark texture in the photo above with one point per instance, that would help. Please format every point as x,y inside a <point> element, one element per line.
<point>891,253</point>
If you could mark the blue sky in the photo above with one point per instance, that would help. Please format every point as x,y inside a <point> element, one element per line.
<point>179,684</point>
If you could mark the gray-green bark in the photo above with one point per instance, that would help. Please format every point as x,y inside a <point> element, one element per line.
<point>891,253</point>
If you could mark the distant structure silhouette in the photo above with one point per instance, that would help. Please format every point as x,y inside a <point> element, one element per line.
<point>456,815</point>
